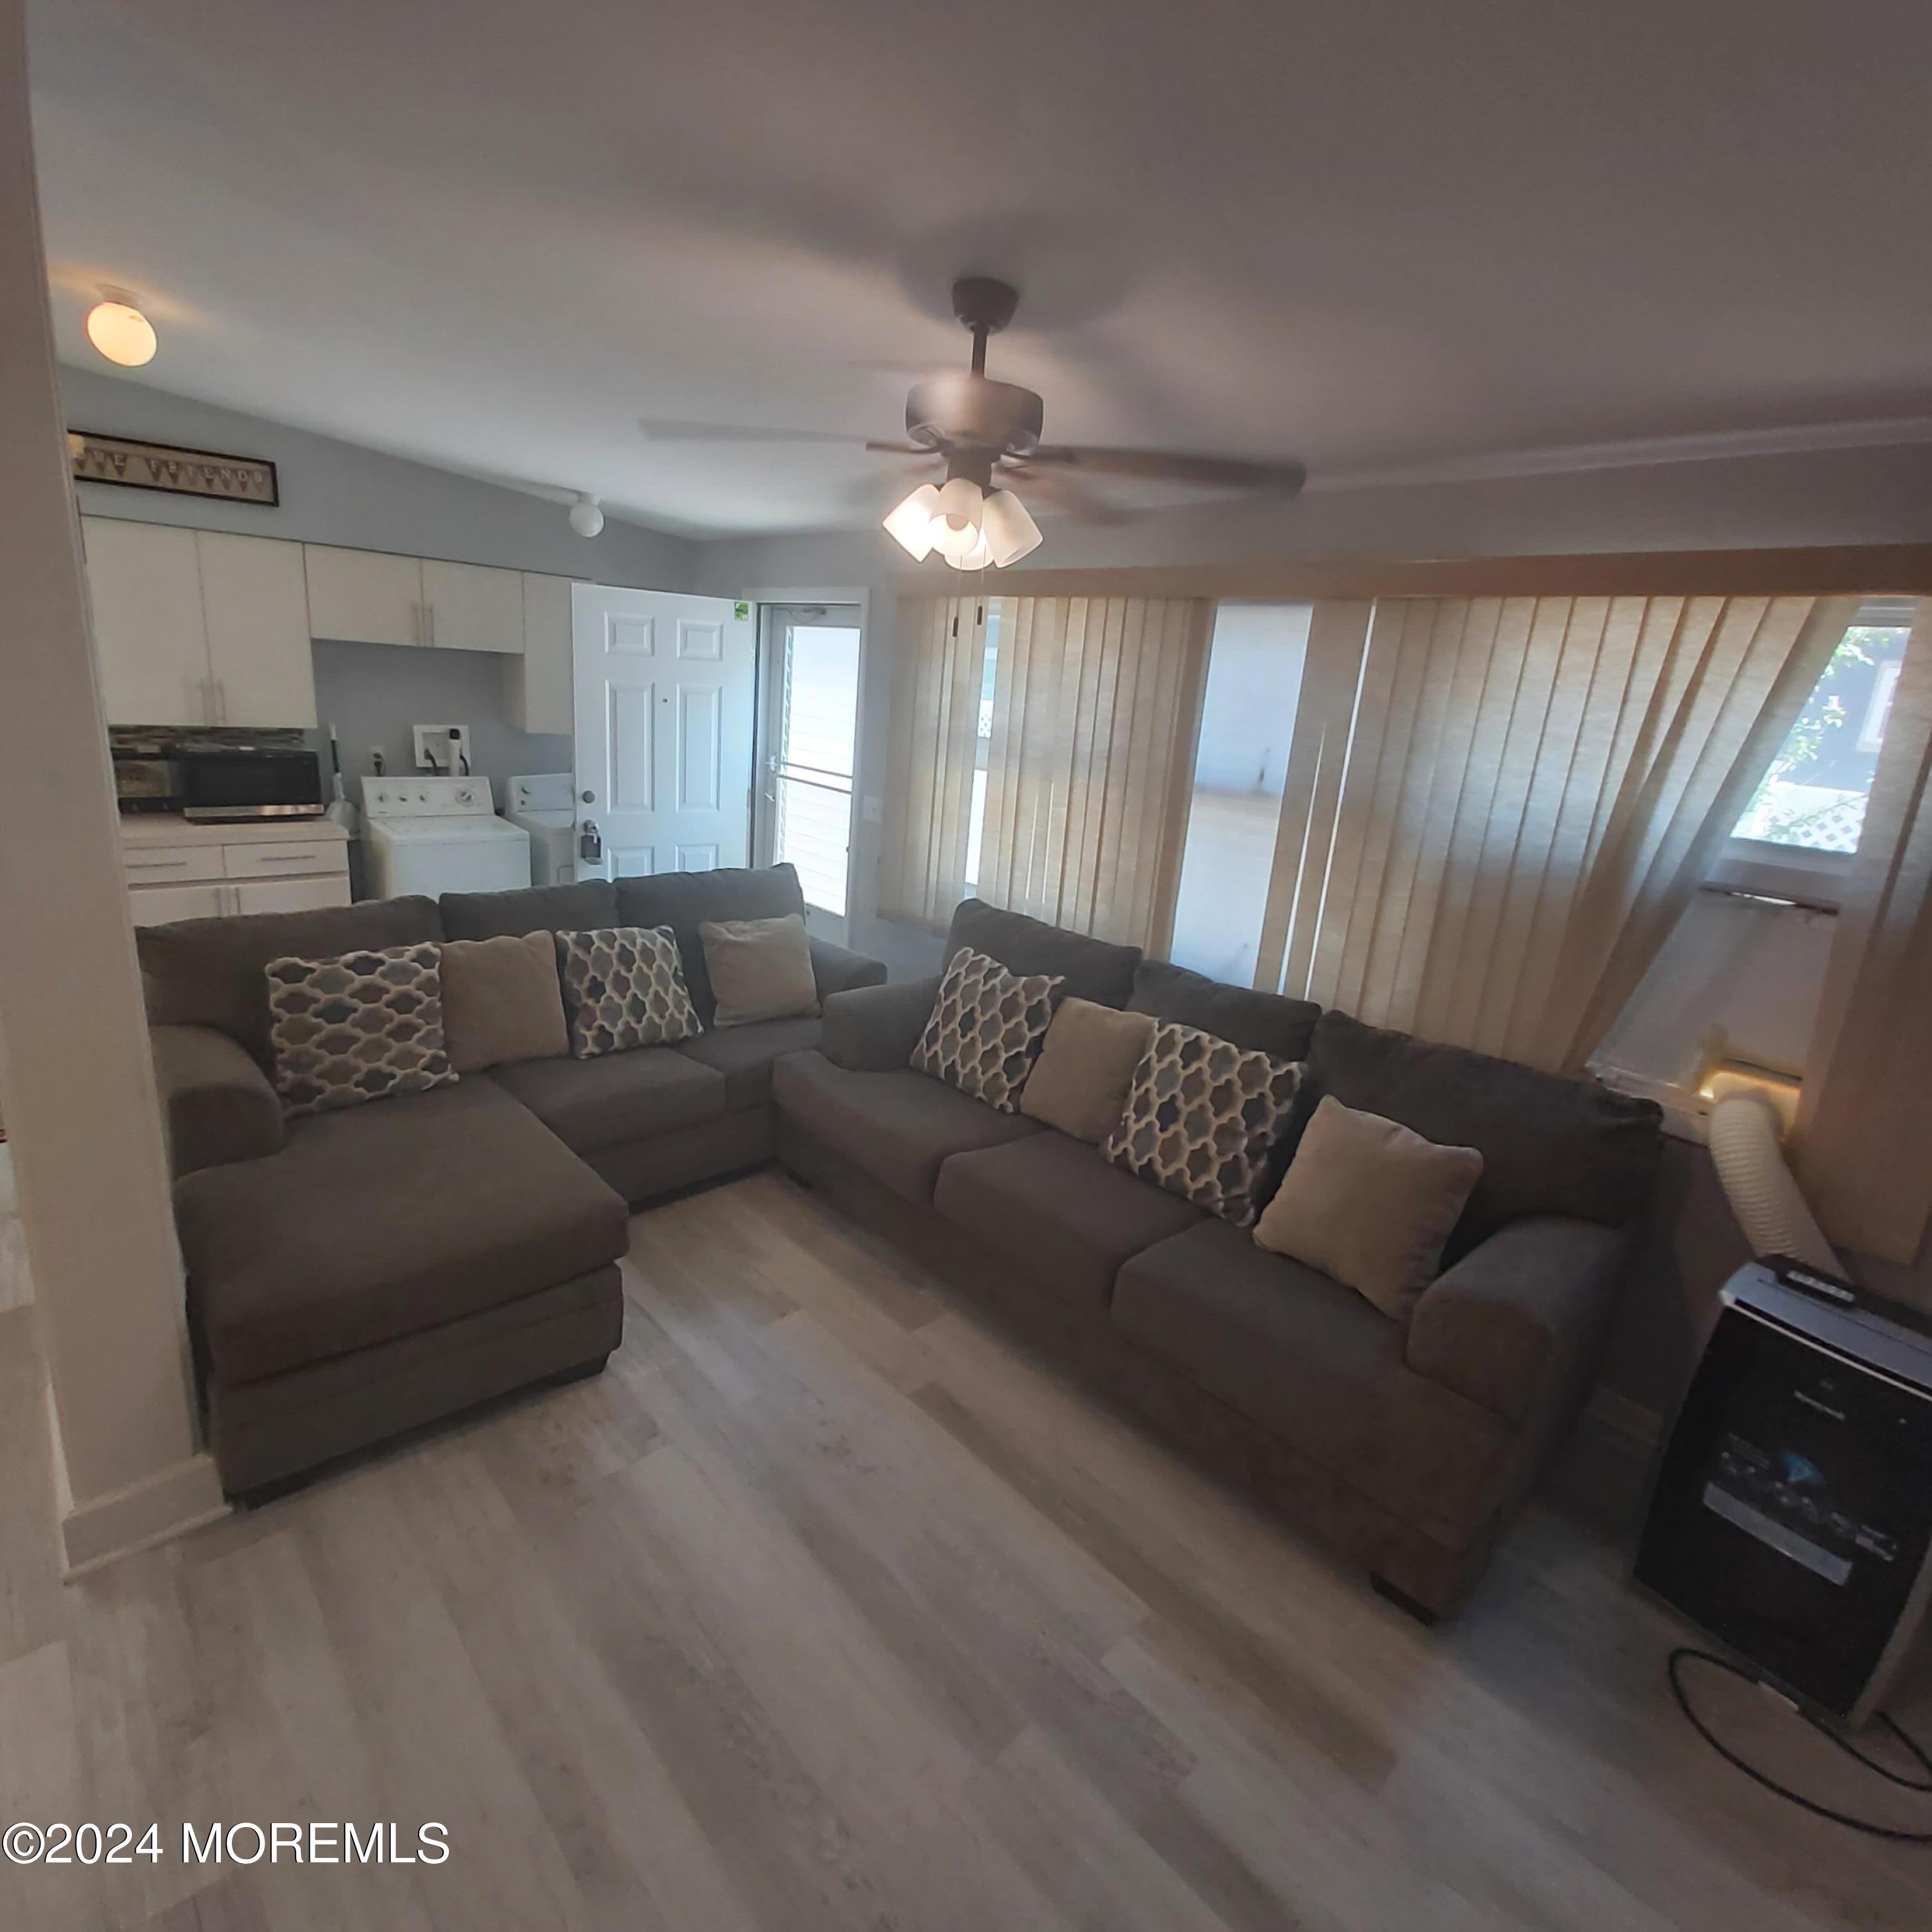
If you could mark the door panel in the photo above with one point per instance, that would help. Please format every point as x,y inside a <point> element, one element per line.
<point>256,602</point>
<point>365,596</point>
<point>664,688</point>
<point>473,608</point>
<point>144,584</point>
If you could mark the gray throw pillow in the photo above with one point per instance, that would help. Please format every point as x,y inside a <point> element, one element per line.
<point>1202,1116</point>
<point>624,987</point>
<point>759,969</point>
<point>1370,1203</point>
<point>361,1026</point>
<point>501,1001</point>
<point>986,1029</point>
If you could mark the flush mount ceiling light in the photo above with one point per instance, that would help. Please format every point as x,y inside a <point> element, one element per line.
<point>587,514</point>
<point>120,331</point>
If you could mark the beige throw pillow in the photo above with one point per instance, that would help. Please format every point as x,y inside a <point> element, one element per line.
<point>1079,1083</point>
<point>501,1001</point>
<point>1368,1201</point>
<point>760,970</point>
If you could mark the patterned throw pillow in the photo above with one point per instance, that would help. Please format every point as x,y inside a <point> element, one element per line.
<point>986,1028</point>
<point>363,1026</point>
<point>624,987</point>
<point>1202,1117</point>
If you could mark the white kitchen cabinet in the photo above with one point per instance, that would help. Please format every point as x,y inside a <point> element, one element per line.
<point>156,905</point>
<point>289,895</point>
<point>255,607</point>
<point>473,608</point>
<point>365,596</point>
<point>538,687</point>
<point>196,627</point>
<point>150,634</point>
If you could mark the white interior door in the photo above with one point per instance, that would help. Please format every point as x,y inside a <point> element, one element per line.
<point>665,687</point>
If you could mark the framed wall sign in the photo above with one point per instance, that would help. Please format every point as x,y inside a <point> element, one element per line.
<point>184,472</point>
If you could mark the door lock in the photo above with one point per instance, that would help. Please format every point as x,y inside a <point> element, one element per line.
<point>589,797</point>
<point>590,844</point>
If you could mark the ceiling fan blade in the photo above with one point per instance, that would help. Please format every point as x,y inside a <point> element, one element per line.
<point>1161,466</point>
<point>666,429</point>
<point>1063,491</point>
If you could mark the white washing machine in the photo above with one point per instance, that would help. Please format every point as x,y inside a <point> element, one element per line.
<point>545,806</point>
<point>436,834</point>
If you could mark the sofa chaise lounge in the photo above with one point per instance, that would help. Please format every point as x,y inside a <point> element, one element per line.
<point>355,1275</point>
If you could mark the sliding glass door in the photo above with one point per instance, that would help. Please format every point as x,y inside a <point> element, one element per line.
<point>808,668</point>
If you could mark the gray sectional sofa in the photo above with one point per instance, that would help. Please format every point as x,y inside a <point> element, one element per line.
<point>1407,1446</point>
<point>355,1275</point>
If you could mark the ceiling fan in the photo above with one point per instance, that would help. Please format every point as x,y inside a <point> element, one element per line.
<point>987,433</point>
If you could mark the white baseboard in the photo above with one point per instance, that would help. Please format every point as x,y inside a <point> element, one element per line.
<point>159,1507</point>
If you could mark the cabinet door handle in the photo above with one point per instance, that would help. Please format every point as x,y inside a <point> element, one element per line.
<point>430,611</point>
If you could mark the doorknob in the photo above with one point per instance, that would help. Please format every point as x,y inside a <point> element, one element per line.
<point>590,844</point>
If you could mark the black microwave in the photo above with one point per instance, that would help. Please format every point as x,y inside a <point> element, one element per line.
<point>229,781</point>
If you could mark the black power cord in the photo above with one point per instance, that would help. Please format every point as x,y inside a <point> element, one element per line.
<point>1684,1653</point>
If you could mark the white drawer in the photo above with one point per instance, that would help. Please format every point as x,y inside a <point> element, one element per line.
<point>170,865</point>
<point>286,859</point>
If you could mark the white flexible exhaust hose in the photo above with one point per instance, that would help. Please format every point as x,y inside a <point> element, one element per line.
<point>1745,1129</point>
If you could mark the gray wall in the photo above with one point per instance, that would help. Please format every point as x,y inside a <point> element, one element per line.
<point>372,694</point>
<point>1844,497</point>
<point>335,492</point>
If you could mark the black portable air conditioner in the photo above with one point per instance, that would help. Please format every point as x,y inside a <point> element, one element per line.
<point>1792,1514</point>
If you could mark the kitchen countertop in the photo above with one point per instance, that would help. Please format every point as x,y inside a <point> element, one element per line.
<point>169,828</point>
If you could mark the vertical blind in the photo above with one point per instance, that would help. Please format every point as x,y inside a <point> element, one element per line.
<point>1864,1154</point>
<point>1496,808</point>
<point>1095,704</point>
<point>929,765</point>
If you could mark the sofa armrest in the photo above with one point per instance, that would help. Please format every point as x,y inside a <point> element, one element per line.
<point>874,1029</point>
<point>839,971</point>
<point>1516,1314</point>
<point>216,1104</point>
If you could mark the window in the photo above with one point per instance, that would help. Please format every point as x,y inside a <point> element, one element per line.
<point>1812,798</point>
<point>982,746</point>
<point>1241,767</point>
<point>811,657</point>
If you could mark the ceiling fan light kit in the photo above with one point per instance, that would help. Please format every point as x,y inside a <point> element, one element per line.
<point>587,514</point>
<point>119,330</point>
<point>988,430</point>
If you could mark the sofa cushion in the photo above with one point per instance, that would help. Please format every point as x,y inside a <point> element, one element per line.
<point>985,1030</point>
<point>502,1001</point>
<point>1086,1068</point>
<point>898,1126</point>
<point>684,900</point>
<point>1312,1362</point>
<point>1370,1203</point>
<point>759,969</point>
<point>1203,1118</point>
<point>363,1026</point>
<point>1093,969</point>
<point>383,1222</point>
<point>583,907</point>
<point>1264,1022</point>
<point>623,987</point>
<point>208,972</point>
<point>744,1055</point>
<point>616,1097</point>
<point>1056,1212</point>
<point>1550,1145</point>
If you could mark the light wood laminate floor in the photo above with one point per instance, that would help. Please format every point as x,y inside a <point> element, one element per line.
<point>824,1609</point>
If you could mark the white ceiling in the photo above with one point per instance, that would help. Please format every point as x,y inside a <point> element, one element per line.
<point>493,234</point>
